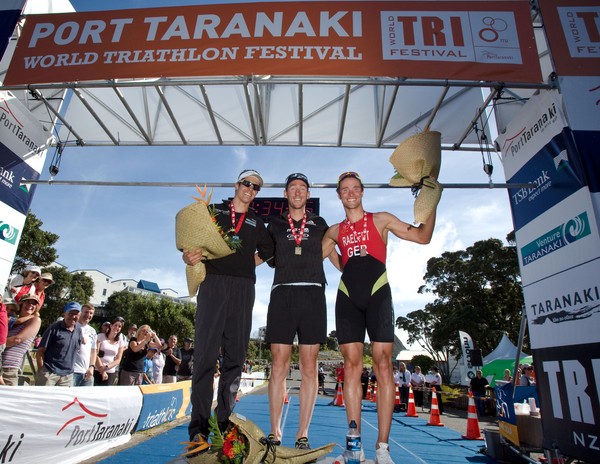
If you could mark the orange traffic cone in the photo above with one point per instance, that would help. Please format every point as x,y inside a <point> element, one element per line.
<point>411,410</point>
<point>374,397</point>
<point>397,404</point>
<point>434,418</point>
<point>286,400</point>
<point>473,432</point>
<point>339,397</point>
<point>369,391</point>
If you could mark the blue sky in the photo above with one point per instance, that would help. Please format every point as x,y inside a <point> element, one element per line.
<point>129,232</point>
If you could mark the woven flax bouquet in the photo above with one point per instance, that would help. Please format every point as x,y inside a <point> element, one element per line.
<point>417,162</point>
<point>196,228</point>
<point>258,449</point>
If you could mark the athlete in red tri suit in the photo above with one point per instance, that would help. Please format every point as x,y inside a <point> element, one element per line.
<point>364,299</point>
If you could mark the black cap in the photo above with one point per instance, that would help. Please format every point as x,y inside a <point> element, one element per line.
<point>188,339</point>
<point>296,176</point>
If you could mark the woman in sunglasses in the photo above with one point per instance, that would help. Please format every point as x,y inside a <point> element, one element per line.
<point>110,349</point>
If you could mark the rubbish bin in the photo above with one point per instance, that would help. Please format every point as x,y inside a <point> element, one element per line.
<point>493,445</point>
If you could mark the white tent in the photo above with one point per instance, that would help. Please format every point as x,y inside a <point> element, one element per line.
<point>505,350</point>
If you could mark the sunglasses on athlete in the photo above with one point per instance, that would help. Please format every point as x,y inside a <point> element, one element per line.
<point>347,174</point>
<point>247,183</point>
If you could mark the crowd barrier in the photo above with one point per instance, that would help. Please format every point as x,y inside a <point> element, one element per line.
<point>73,424</point>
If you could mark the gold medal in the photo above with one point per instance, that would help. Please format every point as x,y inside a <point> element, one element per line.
<point>298,250</point>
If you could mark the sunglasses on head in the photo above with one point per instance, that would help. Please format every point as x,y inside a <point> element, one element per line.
<point>347,174</point>
<point>247,183</point>
<point>119,319</point>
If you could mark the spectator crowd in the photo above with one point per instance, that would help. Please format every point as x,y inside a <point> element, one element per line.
<point>71,352</point>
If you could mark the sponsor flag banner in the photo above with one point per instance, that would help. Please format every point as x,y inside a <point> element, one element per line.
<point>573,32</point>
<point>68,424</point>
<point>558,244</point>
<point>434,39</point>
<point>467,369</point>
<point>22,154</point>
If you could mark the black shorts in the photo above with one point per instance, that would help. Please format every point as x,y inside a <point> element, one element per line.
<point>364,303</point>
<point>297,309</point>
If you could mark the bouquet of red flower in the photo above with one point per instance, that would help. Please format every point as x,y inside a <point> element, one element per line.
<point>231,445</point>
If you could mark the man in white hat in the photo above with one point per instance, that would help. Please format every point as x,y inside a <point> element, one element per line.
<point>56,352</point>
<point>224,314</point>
<point>364,299</point>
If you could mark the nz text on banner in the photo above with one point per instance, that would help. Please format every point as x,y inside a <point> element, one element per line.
<point>559,251</point>
<point>473,40</point>
<point>68,424</point>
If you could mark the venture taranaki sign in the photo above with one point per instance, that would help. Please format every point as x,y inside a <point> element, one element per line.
<point>473,40</point>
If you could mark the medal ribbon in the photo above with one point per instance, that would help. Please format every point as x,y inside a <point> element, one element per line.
<point>297,238</point>
<point>237,227</point>
<point>363,238</point>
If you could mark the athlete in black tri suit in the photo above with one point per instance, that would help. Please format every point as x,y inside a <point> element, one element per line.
<point>364,299</point>
<point>297,305</point>
<point>224,313</point>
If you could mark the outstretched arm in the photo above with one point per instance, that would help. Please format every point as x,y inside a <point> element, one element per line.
<point>419,234</point>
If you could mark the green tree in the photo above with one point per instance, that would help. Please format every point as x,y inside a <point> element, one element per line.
<point>66,287</point>
<point>165,316</point>
<point>424,362</point>
<point>478,290</point>
<point>36,245</point>
<point>332,343</point>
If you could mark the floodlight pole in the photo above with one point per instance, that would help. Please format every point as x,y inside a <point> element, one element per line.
<point>519,348</point>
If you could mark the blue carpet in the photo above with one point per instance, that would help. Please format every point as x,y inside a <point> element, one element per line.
<point>411,440</point>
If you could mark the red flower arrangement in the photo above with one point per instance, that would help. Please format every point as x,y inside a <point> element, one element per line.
<point>232,445</point>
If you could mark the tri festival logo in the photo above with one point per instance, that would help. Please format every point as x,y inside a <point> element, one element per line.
<point>81,434</point>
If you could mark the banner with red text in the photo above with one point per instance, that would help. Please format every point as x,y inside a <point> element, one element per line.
<point>573,32</point>
<point>429,39</point>
<point>65,425</point>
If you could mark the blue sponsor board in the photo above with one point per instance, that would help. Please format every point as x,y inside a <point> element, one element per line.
<point>555,175</point>
<point>557,238</point>
<point>12,170</point>
<point>587,145</point>
<point>9,15</point>
<point>159,408</point>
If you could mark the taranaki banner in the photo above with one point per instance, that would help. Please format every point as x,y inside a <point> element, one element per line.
<point>430,39</point>
<point>558,243</point>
